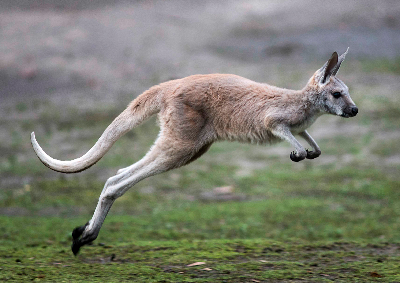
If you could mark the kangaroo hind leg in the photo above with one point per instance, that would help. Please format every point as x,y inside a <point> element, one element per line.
<point>163,156</point>
<point>199,153</point>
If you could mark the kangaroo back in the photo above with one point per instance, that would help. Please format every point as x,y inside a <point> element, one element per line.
<point>144,106</point>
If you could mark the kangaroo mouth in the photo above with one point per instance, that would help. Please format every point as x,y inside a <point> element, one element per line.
<point>348,115</point>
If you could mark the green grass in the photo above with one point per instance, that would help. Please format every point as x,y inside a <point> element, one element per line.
<point>222,260</point>
<point>336,218</point>
<point>382,65</point>
<point>302,224</point>
<point>386,147</point>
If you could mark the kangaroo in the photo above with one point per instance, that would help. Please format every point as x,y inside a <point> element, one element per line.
<point>198,110</point>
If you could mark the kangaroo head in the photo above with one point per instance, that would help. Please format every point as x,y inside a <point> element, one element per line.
<point>332,94</point>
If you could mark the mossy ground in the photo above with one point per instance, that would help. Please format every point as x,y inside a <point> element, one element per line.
<point>306,227</point>
<point>223,260</point>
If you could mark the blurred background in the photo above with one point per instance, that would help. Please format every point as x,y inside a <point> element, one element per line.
<point>68,68</point>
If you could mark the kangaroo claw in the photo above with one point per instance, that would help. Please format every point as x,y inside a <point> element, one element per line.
<point>312,154</point>
<point>294,157</point>
<point>76,241</point>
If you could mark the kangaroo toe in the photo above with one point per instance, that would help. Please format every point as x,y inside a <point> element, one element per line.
<point>295,157</point>
<point>81,237</point>
<point>312,154</point>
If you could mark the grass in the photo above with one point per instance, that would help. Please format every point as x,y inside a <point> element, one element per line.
<point>335,218</point>
<point>302,225</point>
<point>391,66</point>
<point>218,261</point>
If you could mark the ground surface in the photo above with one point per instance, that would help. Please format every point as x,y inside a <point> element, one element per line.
<point>68,68</point>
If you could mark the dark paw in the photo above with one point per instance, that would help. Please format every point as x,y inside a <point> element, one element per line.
<point>77,242</point>
<point>75,247</point>
<point>312,154</point>
<point>295,158</point>
<point>78,231</point>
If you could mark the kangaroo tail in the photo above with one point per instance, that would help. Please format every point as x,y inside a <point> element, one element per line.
<point>144,106</point>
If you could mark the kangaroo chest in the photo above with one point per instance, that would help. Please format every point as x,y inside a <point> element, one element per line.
<point>301,126</point>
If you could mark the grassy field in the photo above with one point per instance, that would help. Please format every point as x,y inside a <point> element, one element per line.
<point>308,225</point>
<point>336,218</point>
<point>241,213</point>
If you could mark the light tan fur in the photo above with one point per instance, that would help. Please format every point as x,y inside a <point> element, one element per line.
<point>196,111</point>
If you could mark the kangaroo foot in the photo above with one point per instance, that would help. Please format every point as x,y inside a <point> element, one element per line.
<point>312,154</point>
<point>77,240</point>
<point>296,158</point>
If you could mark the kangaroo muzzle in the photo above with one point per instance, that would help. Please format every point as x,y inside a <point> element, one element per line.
<point>350,111</point>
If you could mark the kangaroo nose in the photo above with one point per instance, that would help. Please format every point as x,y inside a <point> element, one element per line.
<point>354,110</point>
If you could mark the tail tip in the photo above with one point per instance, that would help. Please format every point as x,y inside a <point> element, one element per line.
<point>33,139</point>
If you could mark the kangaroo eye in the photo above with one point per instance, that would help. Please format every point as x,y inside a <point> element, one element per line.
<point>336,94</point>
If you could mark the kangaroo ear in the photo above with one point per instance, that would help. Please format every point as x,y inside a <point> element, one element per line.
<point>327,69</point>
<point>340,60</point>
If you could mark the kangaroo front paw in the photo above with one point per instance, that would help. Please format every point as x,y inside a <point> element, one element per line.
<point>296,158</point>
<point>312,154</point>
